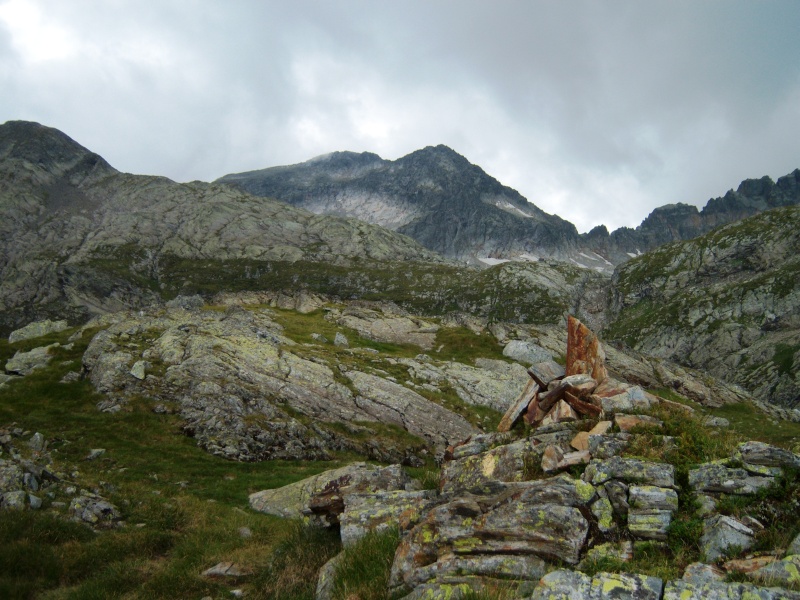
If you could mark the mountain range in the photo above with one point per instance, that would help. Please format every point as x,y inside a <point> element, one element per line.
<point>437,197</point>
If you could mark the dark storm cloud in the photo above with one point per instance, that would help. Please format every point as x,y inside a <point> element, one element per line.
<point>595,111</point>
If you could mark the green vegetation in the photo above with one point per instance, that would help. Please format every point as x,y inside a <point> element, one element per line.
<point>363,571</point>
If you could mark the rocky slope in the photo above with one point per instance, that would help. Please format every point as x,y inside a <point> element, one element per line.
<point>726,303</point>
<point>77,237</point>
<point>636,507</point>
<point>451,206</point>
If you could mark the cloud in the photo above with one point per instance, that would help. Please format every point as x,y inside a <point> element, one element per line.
<point>597,112</point>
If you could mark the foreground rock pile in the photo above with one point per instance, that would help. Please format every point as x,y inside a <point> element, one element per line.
<point>515,512</point>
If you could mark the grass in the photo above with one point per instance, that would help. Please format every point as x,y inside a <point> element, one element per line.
<point>183,507</point>
<point>363,571</point>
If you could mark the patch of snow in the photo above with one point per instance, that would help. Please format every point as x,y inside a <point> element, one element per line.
<point>587,256</point>
<point>505,205</point>
<point>631,254</point>
<point>530,257</point>
<point>493,261</point>
<point>581,265</point>
<point>603,259</point>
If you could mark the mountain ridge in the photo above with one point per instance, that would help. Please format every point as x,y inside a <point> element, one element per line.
<point>500,224</point>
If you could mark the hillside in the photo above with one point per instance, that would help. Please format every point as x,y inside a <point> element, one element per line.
<point>726,302</point>
<point>130,465</point>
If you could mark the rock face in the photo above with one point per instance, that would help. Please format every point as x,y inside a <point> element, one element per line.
<point>37,329</point>
<point>239,385</point>
<point>727,302</point>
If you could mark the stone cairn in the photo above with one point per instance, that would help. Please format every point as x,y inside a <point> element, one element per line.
<point>489,524</point>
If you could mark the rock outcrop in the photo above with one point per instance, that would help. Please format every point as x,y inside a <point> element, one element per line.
<point>726,303</point>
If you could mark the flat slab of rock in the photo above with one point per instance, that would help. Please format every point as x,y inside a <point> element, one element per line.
<point>718,478</point>
<point>518,407</point>
<point>546,371</point>
<point>572,585</point>
<point>718,590</point>
<point>294,500</point>
<point>630,470</point>
<point>226,569</point>
<point>759,453</point>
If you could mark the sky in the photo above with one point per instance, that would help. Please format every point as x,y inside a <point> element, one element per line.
<point>595,111</point>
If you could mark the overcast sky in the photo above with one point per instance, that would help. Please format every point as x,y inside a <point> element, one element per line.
<point>595,111</point>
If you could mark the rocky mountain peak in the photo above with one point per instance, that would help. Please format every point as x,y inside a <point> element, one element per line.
<point>45,148</point>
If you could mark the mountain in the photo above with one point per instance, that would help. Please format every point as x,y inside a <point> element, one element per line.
<point>81,238</point>
<point>433,195</point>
<point>449,205</point>
<point>77,236</point>
<point>727,302</point>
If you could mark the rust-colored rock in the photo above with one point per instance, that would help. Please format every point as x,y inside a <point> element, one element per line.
<point>748,565</point>
<point>584,352</point>
<point>580,441</point>
<point>582,407</point>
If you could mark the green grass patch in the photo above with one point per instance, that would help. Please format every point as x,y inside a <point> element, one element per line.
<point>752,424</point>
<point>363,570</point>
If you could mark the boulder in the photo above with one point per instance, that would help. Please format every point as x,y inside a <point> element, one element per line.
<point>759,453</point>
<point>477,473</point>
<point>607,446</point>
<point>25,363</point>
<point>784,572</point>
<point>380,510</point>
<point>14,500</point>
<point>718,478</point>
<point>794,547</point>
<point>37,329</point>
<point>721,533</point>
<point>94,510</point>
<point>698,573</point>
<point>526,352</point>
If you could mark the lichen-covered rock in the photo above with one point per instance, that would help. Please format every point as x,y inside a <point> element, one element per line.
<point>719,478</point>
<point>759,453</point>
<point>477,472</point>
<point>10,476</point>
<point>302,497</point>
<point>94,510</point>
<point>718,590</point>
<point>609,445</point>
<point>380,510</point>
<point>650,511</point>
<point>476,444</point>
<point>630,470</point>
<point>628,422</point>
<point>541,519</point>
<point>25,363</point>
<point>721,533</point>
<point>327,577</point>
<point>698,573</point>
<point>784,572</point>
<point>14,500</point>
<point>37,329</point>
<point>571,585</point>
<point>392,328</point>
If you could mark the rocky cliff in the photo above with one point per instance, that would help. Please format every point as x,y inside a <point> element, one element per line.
<point>726,302</point>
